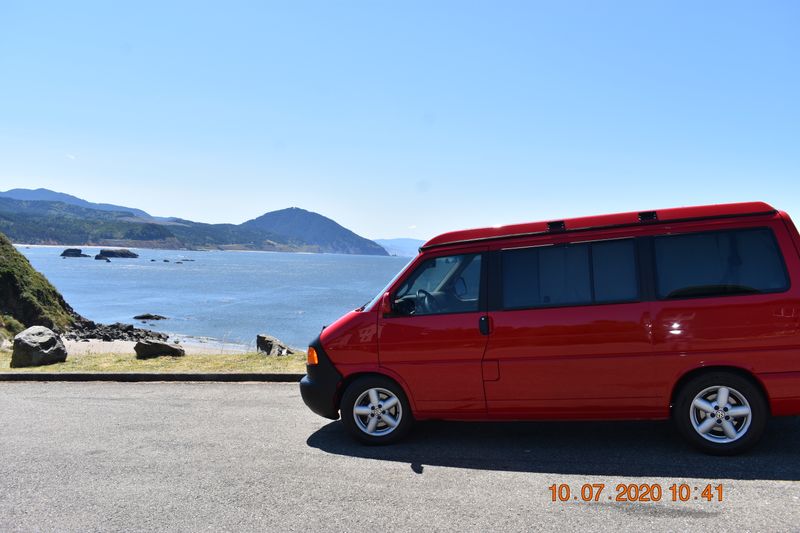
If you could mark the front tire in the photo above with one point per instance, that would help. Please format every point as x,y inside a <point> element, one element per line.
<point>375,410</point>
<point>721,413</point>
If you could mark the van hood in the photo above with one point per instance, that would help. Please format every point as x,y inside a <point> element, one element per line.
<point>353,338</point>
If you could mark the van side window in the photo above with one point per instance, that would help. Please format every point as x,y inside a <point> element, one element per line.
<point>575,274</point>
<point>440,285</point>
<point>614,267</point>
<point>719,263</point>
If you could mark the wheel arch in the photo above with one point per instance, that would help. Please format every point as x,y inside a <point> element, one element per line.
<point>692,373</point>
<point>350,378</point>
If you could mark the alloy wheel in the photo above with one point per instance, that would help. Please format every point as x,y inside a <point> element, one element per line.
<point>720,414</point>
<point>377,411</point>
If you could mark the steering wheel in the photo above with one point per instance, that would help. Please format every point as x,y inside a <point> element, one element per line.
<point>428,301</point>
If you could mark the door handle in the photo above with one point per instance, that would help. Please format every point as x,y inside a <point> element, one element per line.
<point>483,325</point>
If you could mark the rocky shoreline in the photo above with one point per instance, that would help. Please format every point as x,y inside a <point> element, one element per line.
<point>89,330</point>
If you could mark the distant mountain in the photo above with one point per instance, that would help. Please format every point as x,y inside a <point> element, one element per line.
<point>46,195</point>
<point>39,222</point>
<point>402,247</point>
<point>315,230</point>
<point>288,230</point>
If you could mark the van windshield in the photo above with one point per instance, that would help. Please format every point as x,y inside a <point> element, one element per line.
<point>371,304</point>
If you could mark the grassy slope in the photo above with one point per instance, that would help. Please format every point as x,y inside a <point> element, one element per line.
<point>27,296</point>
<point>234,363</point>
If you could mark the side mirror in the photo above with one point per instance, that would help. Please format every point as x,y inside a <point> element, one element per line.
<point>386,304</point>
<point>460,287</point>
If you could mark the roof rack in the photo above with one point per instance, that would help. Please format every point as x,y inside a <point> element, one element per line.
<point>679,214</point>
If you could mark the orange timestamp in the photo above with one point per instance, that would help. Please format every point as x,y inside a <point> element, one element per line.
<point>636,492</point>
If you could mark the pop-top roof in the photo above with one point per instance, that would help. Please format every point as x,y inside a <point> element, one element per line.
<point>601,221</point>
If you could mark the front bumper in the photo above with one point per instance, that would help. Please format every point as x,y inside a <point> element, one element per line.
<point>320,386</point>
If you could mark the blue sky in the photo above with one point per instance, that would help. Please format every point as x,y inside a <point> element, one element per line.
<point>404,118</point>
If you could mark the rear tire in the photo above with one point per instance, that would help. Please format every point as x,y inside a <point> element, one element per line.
<point>375,410</point>
<point>720,412</point>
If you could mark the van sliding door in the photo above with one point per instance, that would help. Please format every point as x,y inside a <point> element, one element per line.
<point>570,333</point>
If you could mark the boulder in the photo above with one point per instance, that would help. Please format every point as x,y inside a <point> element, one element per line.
<point>272,346</point>
<point>150,348</point>
<point>73,252</point>
<point>124,253</point>
<point>101,257</point>
<point>37,346</point>
<point>149,316</point>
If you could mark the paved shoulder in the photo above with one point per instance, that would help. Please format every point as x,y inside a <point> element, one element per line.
<point>189,456</point>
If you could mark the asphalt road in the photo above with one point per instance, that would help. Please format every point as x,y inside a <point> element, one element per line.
<point>213,456</point>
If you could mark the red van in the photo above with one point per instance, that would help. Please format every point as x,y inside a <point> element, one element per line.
<point>688,313</point>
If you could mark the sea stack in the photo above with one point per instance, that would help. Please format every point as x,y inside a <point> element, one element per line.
<point>121,253</point>
<point>73,252</point>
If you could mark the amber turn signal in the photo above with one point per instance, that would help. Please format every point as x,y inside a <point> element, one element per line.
<point>311,358</point>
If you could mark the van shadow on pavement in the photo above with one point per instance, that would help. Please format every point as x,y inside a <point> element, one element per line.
<point>647,449</point>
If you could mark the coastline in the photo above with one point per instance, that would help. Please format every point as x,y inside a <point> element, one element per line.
<point>222,249</point>
<point>113,362</point>
<point>286,295</point>
<point>109,247</point>
<point>191,346</point>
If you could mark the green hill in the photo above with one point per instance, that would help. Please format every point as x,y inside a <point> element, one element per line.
<point>319,233</point>
<point>26,297</point>
<point>46,195</point>
<point>288,230</point>
<point>39,222</point>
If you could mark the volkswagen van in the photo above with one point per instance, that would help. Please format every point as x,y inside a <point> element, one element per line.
<point>690,313</point>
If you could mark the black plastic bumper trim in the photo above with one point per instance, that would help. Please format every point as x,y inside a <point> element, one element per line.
<point>319,387</point>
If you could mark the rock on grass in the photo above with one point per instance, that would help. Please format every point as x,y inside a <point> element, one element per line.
<point>37,346</point>
<point>271,346</point>
<point>147,349</point>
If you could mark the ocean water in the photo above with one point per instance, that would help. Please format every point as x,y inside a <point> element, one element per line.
<point>225,296</point>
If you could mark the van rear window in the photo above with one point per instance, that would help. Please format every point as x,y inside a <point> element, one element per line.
<point>719,263</point>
